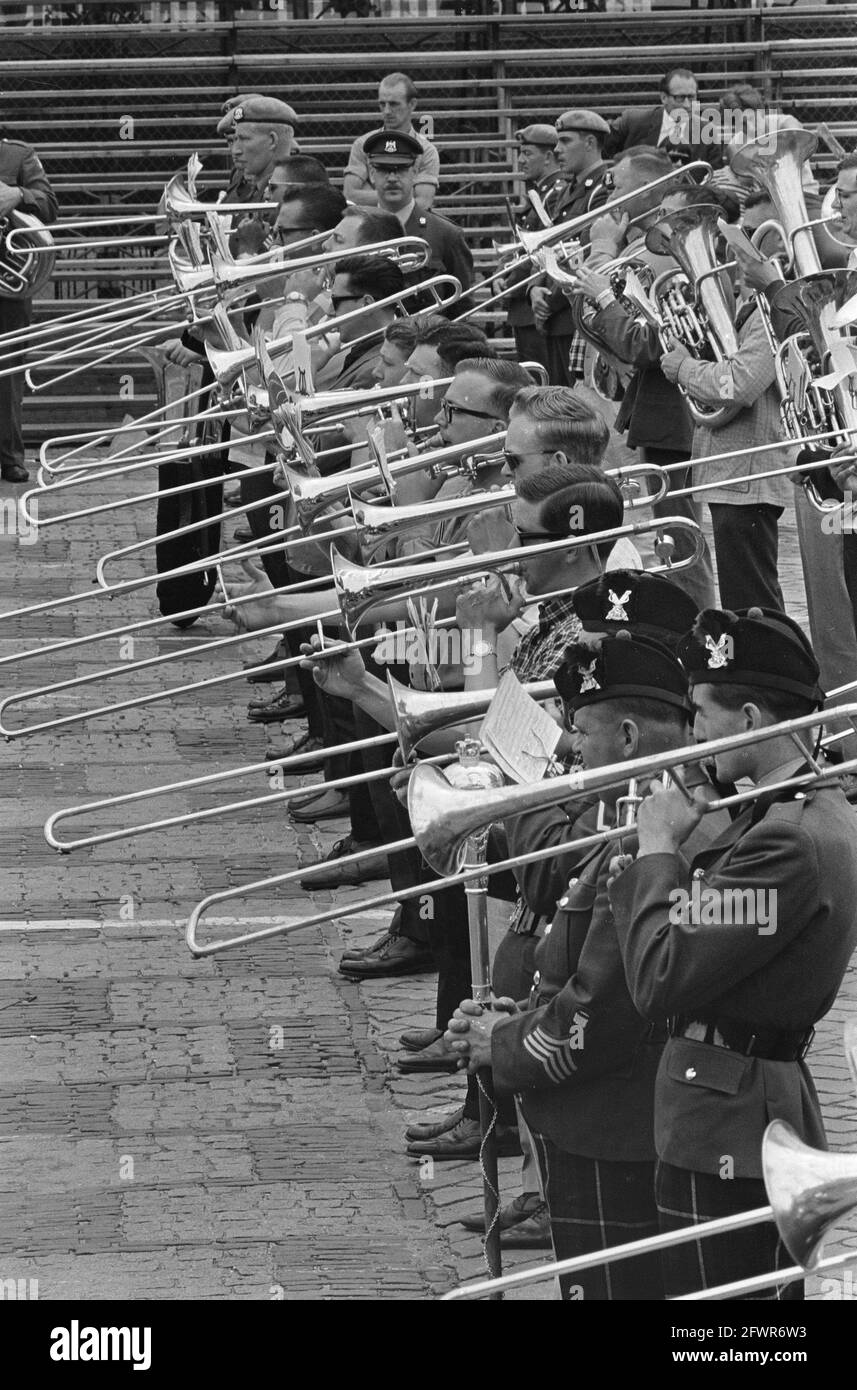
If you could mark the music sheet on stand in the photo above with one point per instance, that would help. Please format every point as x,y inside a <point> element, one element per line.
<point>520,736</point>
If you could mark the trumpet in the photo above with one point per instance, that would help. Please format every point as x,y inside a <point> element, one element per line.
<point>431,798</point>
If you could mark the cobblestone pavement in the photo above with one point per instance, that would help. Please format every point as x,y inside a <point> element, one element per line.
<point>229,1127</point>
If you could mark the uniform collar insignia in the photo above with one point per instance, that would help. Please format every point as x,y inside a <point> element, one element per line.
<point>718,652</point>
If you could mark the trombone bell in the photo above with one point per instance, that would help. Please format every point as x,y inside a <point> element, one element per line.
<point>809,1190</point>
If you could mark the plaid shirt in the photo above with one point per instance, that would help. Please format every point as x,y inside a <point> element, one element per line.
<point>539,653</point>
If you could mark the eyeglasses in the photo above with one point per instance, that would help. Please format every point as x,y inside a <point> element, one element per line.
<point>280,233</point>
<point>338,299</point>
<point>515,460</point>
<point>450,409</point>
<point>532,537</point>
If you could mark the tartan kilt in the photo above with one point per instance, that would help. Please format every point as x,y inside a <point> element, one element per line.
<point>594,1203</point>
<point>686,1198</point>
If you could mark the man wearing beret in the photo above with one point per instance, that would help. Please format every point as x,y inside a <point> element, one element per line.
<point>537,165</point>
<point>741,996</point>
<point>580,1058</point>
<point>397,102</point>
<point>580,136</point>
<point>392,157</point>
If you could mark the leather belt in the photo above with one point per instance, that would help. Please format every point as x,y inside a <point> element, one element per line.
<point>772,1044</point>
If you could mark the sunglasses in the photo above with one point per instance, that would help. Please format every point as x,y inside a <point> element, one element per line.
<point>336,300</point>
<point>533,537</point>
<point>449,409</point>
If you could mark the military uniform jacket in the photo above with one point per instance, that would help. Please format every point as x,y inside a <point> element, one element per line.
<point>579,197</point>
<point>550,189</point>
<point>21,167</point>
<point>450,254</point>
<point>713,1103</point>
<point>579,1058</point>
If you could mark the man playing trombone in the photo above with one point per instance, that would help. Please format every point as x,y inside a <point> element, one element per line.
<point>742,988</point>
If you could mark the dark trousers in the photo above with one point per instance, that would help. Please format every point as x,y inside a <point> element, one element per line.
<point>849,565</point>
<point>746,545</point>
<point>594,1203</point>
<point>261,522</point>
<point>531,345</point>
<point>14,313</point>
<point>697,580</point>
<point>558,349</point>
<point>685,1199</point>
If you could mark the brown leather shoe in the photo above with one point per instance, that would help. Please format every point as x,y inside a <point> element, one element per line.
<point>416,1133</point>
<point>438,1056</point>
<point>422,1037</point>
<point>463,1142</point>
<point>524,1223</point>
<point>400,956</point>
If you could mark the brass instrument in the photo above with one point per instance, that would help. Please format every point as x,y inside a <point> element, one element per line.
<point>431,799</point>
<point>27,255</point>
<point>809,1190</point>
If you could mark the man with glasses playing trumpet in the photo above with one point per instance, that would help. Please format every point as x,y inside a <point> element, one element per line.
<point>741,989</point>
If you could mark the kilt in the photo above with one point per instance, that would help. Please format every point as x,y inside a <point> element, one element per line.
<point>685,1198</point>
<point>594,1203</point>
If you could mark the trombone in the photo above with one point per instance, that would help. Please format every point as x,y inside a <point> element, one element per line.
<point>357,590</point>
<point>432,801</point>
<point>809,1191</point>
<point>417,715</point>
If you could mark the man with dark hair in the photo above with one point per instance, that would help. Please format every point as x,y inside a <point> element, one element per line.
<point>742,987</point>
<point>397,102</point>
<point>392,163</point>
<point>362,227</point>
<point>580,136</point>
<point>294,172</point>
<point>360,283</point>
<point>666,126</point>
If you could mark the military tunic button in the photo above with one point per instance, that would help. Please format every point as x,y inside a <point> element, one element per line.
<point>690,1073</point>
<point>699,873</point>
<point>563,902</point>
<point>572,882</point>
<point>537,977</point>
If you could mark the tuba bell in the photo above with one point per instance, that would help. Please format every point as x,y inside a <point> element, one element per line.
<point>694,303</point>
<point>26,268</point>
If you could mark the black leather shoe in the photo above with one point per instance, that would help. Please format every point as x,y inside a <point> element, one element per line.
<point>273,673</point>
<point>349,875</point>
<point>360,953</point>
<point>420,1038</point>
<point>14,473</point>
<point>298,743</point>
<point>438,1056</point>
<point>524,1223</point>
<point>242,534</point>
<point>329,806</point>
<point>463,1141</point>
<point>400,956</point>
<point>283,706</point>
<point>416,1133</point>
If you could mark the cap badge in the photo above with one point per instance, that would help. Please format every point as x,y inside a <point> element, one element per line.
<point>237,114</point>
<point>390,147</point>
<point>719,652</point>
<point>618,614</point>
<point>588,673</point>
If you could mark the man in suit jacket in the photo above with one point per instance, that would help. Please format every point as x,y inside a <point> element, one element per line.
<point>581,1058</point>
<point>742,987</point>
<point>669,126</point>
<point>392,158</point>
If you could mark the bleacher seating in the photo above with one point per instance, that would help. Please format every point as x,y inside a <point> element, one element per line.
<point>116,97</point>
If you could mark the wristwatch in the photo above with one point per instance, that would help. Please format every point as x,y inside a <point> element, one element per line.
<point>483,649</point>
<point>295,297</point>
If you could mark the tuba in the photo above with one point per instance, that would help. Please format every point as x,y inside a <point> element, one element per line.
<point>24,269</point>
<point>692,303</point>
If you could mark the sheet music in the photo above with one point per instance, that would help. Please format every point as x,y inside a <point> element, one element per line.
<point>518,734</point>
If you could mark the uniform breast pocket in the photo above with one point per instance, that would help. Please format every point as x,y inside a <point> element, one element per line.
<point>707,1068</point>
<point>570,926</point>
